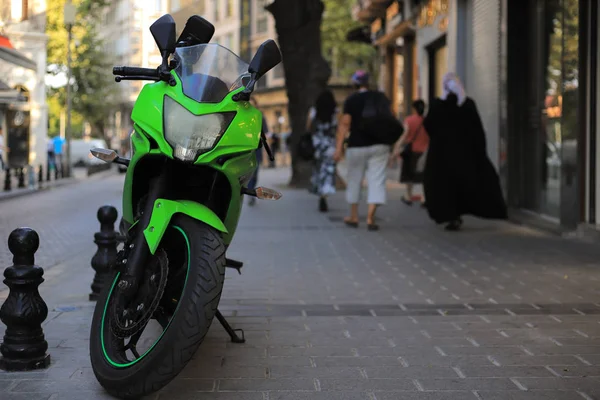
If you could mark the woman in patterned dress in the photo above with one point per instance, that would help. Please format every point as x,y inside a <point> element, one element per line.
<point>324,127</point>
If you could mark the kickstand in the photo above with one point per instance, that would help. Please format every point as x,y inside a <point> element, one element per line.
<point>232,332</point>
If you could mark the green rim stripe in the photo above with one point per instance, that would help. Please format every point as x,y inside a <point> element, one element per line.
<point>129,364</point>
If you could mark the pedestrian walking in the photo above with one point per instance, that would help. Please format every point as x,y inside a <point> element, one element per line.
<point>275,149</point>
<point>367,116</point>
<point>411,148</point>
<point>259,156</point>
<point>59,143</point>
<point>3,149</point>
<point>459,177</point>
<point>323,128</point>
<point>50,152</point>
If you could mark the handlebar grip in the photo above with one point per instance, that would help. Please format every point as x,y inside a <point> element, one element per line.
<point>132,71</point>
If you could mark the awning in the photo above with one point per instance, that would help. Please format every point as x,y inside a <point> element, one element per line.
<point>9,54</point>
<point>362,34</point>
<point>8,95</point>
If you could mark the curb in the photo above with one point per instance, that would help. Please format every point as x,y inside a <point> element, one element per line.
<point>63,182</point>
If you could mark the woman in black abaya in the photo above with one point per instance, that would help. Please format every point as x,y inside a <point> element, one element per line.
<point>459,178</point>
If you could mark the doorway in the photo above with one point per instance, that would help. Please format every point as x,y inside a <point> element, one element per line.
<point>542,102</point>
<point>437,54</point>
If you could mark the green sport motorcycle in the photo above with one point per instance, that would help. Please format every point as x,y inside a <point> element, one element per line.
<point>193,150</point>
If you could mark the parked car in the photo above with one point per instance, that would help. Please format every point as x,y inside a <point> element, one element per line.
<point>80,152</point>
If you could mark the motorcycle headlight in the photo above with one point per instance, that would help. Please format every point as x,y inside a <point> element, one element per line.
<point>189,134</point>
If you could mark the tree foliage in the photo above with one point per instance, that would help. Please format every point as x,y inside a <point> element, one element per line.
<point>93,88</point>
<point>345,57</point>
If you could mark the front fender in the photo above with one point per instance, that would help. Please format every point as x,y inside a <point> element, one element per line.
<point>164,210</point>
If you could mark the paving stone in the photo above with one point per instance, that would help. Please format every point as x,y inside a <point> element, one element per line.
<point>582,384</point>
<point>277,372</point>
<point>26,396</point>
<point>505,371</point>
<point>211,396</point>
<point>53,385</point>
<point>216,372</point>
<point>357,385</point>
<point>242,385</point>
<point>467,384</point>
<point>515,350</point>
<point>593,359</point>
<point>410,372</point>
<point>508,360</point>
<point>530,395</point>
<point>576,371</point>
<point>288,395</point>
<point>446,395</point>
<point>324,351</point>
<point>563,350</point>
<point>356,361</point>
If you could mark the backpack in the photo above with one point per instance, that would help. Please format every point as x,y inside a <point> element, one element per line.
<point>378,122</point>
<point>306,149</point>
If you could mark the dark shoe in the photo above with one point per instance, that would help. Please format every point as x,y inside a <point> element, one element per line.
<point>252,201</point>
<point>423,205</point>
<point>454,225</point>
<point>406,201</point>
<point>323,207</point>
<point>373,227</point>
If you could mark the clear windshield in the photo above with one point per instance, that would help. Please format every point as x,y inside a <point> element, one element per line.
<point>209,72</point>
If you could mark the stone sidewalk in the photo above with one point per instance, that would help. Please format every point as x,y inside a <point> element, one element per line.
<point>493,312</point>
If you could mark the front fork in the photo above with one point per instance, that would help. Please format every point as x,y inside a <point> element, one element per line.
<point>138,249</point>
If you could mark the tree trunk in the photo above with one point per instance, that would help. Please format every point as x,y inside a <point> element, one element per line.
<point>298,25</point>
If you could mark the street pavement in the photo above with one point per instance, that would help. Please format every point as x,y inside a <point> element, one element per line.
<point>63,216</point>
<point>496,311</point>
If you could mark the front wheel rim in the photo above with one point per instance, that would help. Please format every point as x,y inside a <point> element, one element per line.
<point>104,329</point>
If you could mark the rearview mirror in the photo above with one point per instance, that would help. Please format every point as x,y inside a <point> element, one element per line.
<point>266,58</point>
<point>163,31</point>
<point>197,31</point>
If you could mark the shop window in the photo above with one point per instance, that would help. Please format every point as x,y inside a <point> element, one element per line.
<point>262,17</point>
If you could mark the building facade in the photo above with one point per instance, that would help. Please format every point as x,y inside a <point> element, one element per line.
<point>531,66</point>
<point>23,109</point>
<point>127,38</point>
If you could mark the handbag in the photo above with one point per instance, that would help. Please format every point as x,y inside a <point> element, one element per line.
<point>306,149</point>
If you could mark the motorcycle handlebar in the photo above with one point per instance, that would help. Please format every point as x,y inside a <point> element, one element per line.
<point>134,71</point>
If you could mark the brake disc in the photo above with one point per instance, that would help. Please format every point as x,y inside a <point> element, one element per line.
<point>132,318</point>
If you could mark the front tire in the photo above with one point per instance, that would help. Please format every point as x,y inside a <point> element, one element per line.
<point>184,331</point>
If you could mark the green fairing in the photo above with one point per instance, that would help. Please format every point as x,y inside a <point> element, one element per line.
<point>242,137</point>
<point>163,212</point>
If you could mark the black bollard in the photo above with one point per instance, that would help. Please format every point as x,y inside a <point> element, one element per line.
<point>7,181</point>
<point>106,254</point>
<point>56,172</point>
<point>24,347</point>
<point>40,176</point>
<point>21,177</point>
